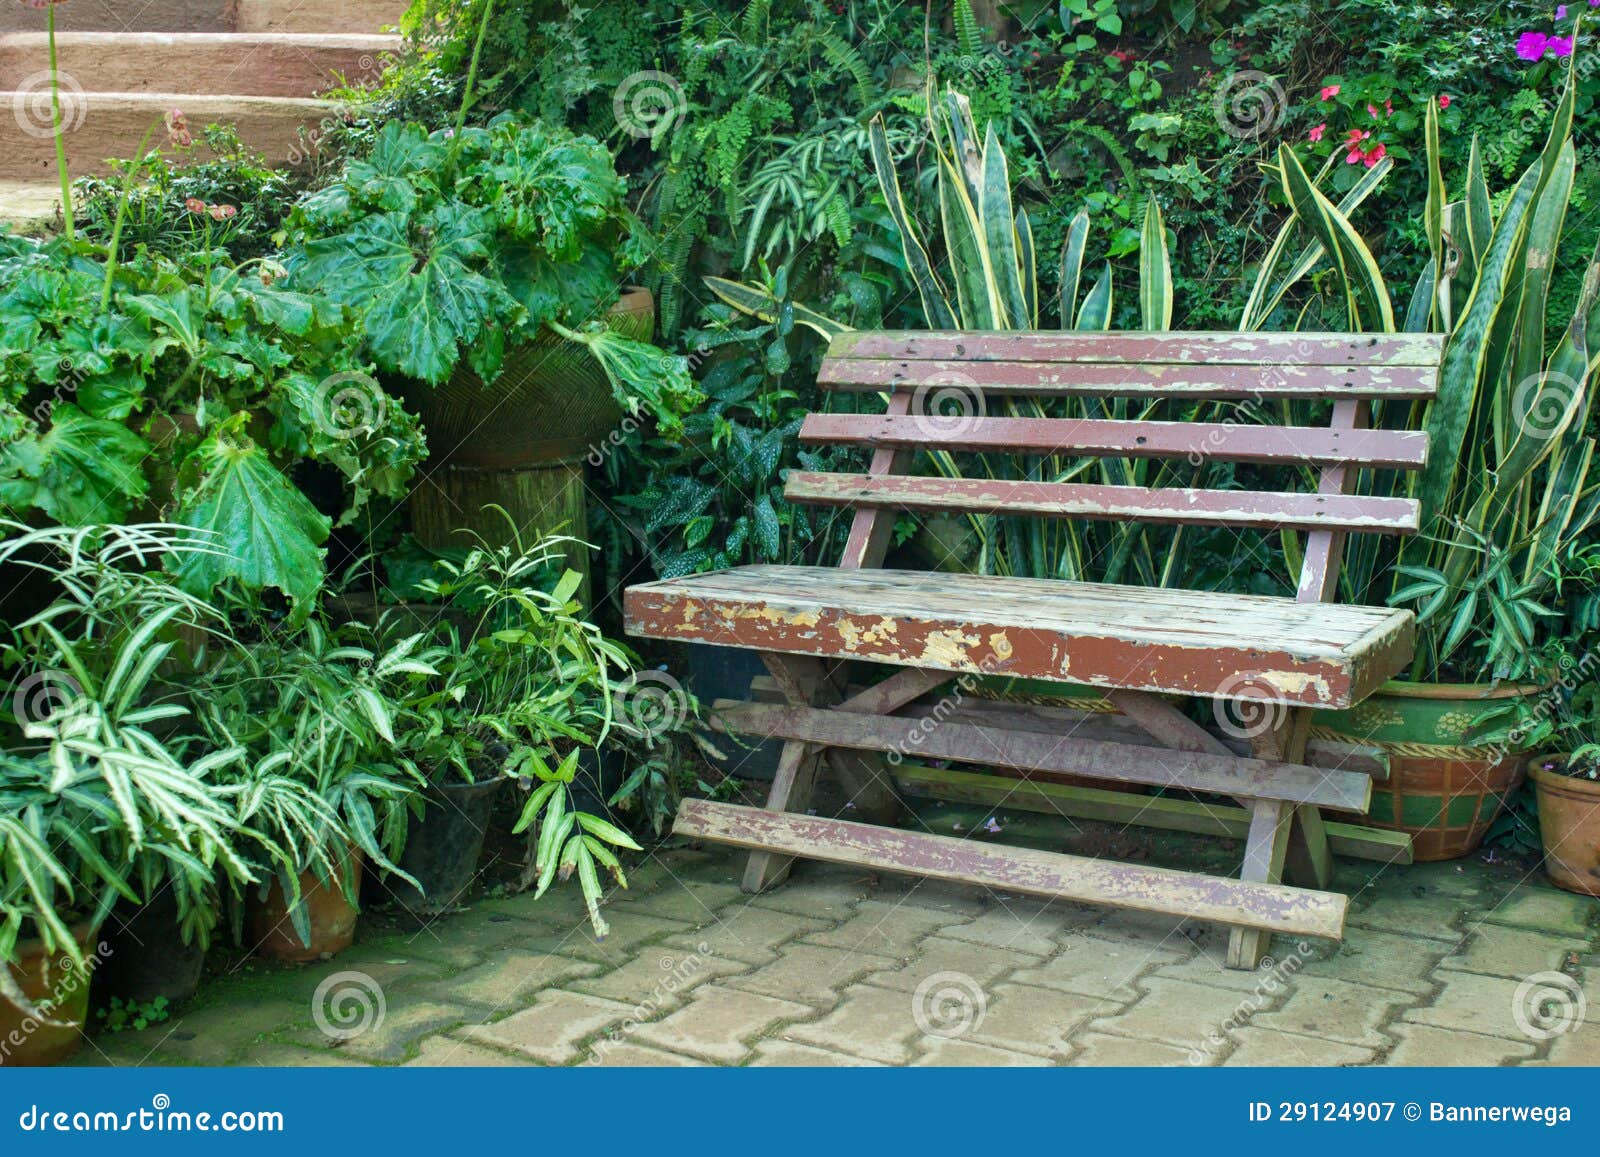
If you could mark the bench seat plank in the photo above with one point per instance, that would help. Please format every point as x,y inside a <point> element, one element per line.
<point>1098,437</point>
<point>1170,506</point>
<point>1054,875</point>
<point>1262,351</point>
<point>936,737</point>
<point>1202,643</point>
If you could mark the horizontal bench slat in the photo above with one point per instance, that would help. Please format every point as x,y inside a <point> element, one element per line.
<point>1140,380</point>
<point>1314,445</point>
<point>1252,349</point>
<point>1264,510</point>
<point>931,737</point>
<point>1168,813</point>
<point>1054,875</point>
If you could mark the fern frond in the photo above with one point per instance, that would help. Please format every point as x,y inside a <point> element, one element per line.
<point>968,38</point>
<point>844,56</point>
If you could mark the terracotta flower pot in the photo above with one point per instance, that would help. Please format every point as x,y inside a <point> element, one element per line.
<point>57,987</point>
<point>1569,822</point>
<point>333,918</point>
<point>1442,791</point>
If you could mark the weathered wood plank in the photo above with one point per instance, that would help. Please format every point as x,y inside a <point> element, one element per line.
<point>1269,907</point>
<point>1211,348</point>
<point>1170,506</point>
<point>1150,380</point>
<point>1105,438</point>
<point>1189,642</point>
<point>1167,813</point>
<point>933,737</point>
<point>871,530</point>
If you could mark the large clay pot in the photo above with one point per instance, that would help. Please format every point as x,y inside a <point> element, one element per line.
<point>55,986</point>
<point>333,918</point>
<point>1569,822</point>
<point>551,402</point>
<point>1442,791</point>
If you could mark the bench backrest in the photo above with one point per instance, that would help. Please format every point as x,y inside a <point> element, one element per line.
<point>992,378</point>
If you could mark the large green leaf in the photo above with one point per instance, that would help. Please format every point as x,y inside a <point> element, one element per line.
<point>81,470</point>
<point>1155,271</point>
<point>1366,295</point>
<point>263,531</point>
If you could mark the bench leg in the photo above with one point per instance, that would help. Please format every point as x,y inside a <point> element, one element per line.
<point>1265,849</point>
<point>1310,859</point>
<point>791,792</point>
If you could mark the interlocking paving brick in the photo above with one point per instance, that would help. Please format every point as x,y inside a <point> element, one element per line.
<point>1546,909</point>
<point>1516,952</point>
<point>937,895</point>
<point>626,1054</point>
<point>953,1052</point>
<point>1424,1045</point>
<point>1334,1009</point>
<point>876,1023</point>
<point>719,1024</point>
<point>1472,1003</point>
<point>1263,1047</point>
<point>695,902</point>
<point>1419,911</point>
<point>272,1054</point>
<point>1020,925</point>
<point>511,977</point>
<point>448,1052</point>
<point>1096,967</point>
<point>1102,1051</point>
<point>982,964</point>
<point>215,1034</point>
<point>1182,1014</point>
<point>1209,966</point>
<point>780,1053</point>
<point>1021,1018</point>
<point>463,939</point>
<point>1381,959</point>
<point>809,972</point>
<point>1581,1046</point>
<point>885,928</point>
<point>819,890</point>
<point>629,931</point>
<point>658,978</point>
<point>403,1024</point>
<point>1124,925</point>
<point>550,1031</point>
<point>749,934</point>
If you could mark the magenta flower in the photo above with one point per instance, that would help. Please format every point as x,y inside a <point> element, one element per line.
<point>1531,45</point>
<point>1561,11</point>
<point>1560,46</point>
<point>1332,90</point>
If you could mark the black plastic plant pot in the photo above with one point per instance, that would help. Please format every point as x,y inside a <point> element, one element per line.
<point>725,673</point>
<point>145,956</point>
<point>444,846</point>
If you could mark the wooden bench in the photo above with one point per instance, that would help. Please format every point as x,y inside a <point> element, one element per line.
<point>1281,657</point>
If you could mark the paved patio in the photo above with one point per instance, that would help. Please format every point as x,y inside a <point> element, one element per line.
<point>1466,963</point>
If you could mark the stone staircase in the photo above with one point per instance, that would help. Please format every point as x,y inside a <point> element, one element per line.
<point>257,64</point>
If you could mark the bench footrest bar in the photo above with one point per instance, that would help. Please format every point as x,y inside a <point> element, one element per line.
<point>1053,875</point>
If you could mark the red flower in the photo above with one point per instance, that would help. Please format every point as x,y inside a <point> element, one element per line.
<point>1375,154</point>
<point>1122,54</point>
<point>1352,144</point>
<point>195,205</point>
<point>1444,100</point>
<point>224,212</point>
<point>1316,133</point>
<point>1329,92</point>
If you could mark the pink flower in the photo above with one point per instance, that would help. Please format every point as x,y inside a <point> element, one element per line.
<point>1388,108</point>
<point>1531,45</point>
<point>1561,11</point>
<point>225,212</point>
<point>1560,46</point>
<point>1122,54</point>
<point>1352,145</point>
<point>178,135</point>
<point>1375,154</point>
<point>1372,111</point>
<point>195,205</point>
<point>1329,92</point>
<point>1316,133</point>
<point>1444,97</point>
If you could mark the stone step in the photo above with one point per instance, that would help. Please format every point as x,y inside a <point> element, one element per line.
<point>111,124</point>
<point>207,16</point>
<point>318,15</point>
<point>29,206</point>
<point>206,63</point>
